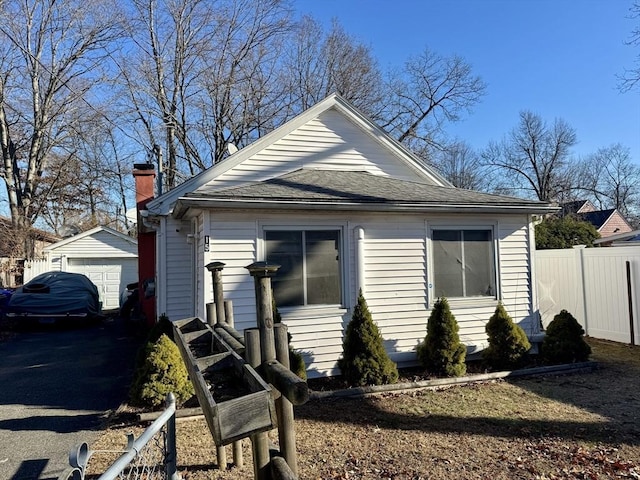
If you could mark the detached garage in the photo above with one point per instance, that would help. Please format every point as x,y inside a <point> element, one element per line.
<point>107,257</point>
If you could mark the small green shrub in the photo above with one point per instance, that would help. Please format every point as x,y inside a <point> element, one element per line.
<point>161,372</point>
<point>564,341</point>
<point>441,352</point>
<point>296,361</point>
<point>508,343</point>
<point>364,360</point>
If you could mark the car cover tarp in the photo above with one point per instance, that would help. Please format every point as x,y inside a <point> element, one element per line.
<point>69,294</point>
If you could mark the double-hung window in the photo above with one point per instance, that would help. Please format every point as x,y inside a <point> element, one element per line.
<point>310,272</point>
<point>463,263</point>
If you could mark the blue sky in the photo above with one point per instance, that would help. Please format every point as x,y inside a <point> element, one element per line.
<point>558,58</point>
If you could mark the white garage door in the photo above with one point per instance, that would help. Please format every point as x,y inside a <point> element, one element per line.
<point>110,276</point>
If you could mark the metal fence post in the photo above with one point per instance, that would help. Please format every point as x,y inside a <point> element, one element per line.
<point>172,451</point>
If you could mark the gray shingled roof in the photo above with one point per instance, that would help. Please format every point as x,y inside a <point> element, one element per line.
<point>339,187</point>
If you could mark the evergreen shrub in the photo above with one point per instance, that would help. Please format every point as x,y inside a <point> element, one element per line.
<point>508,343</point>
<point>564,341</point>
<point>162,371</point>
<point>364,360</point>
<point>441,352</point>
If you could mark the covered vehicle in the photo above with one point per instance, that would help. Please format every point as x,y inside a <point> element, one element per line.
<point>5,296</point>
<point>54,295</point>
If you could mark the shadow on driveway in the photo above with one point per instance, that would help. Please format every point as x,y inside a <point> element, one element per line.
<point>59,384</point>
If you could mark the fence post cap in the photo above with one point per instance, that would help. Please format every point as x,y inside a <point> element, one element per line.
<point>215,266</point>
<point>262,269</point>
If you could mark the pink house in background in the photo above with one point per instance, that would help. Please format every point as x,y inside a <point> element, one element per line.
<point>607,222</point>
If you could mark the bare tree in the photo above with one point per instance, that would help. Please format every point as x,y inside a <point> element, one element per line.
<point>169,41</point>
<point>51,52</point>
<point>611,179</point>
<point>319,63</point>
<point>429,91</point>
<point>535,157</point>
<point>241,88</point>
<point>202,75</point>
<point>463,167</point>
<point>631,77</point>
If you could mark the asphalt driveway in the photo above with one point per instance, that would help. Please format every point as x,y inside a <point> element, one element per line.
<point>56,388</point>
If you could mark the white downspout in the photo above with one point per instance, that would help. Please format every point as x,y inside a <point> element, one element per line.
<point>360,265</point>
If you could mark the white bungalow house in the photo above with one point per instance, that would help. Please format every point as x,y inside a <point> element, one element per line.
<point>341,206</point>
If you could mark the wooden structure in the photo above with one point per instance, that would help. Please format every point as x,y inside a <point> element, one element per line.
<point>236,400</point>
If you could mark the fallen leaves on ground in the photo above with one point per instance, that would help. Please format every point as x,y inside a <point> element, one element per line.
<point>574,427</point>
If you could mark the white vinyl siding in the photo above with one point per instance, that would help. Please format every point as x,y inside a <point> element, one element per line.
<point>397,267</point>
<point>178,280</point>
<point>327,142</point>
<point>515,273</point>
<point>234,244</point>
<point>101,244</point>
<point>395,278</point>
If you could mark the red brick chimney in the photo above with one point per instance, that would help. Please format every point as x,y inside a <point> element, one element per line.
<point>145,175</point>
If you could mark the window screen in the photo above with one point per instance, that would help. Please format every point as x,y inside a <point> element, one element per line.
<point>463,263</point>
<point>310,266</point>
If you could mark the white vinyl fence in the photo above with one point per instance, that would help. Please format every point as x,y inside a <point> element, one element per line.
<point>33,268</point>
<point>598,286</point>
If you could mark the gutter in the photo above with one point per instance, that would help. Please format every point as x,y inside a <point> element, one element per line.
<point>185,203</point>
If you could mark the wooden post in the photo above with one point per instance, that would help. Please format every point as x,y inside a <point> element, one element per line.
<point>218,292</point>
<point>211,313</point>
<point>284,408</point>
<point>238,458</point>
<point>262,273</point>
<point>218,304</point>
<point>259,441</point>
<point>228,312</point>
<point>221,453</point>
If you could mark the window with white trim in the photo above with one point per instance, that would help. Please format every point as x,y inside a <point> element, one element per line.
<point>310,271</point>
<point>463,263</point>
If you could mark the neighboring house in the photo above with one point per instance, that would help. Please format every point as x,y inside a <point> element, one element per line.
<point>107,257</point>
<point>626,239</point>
<point>341,206</point>
<point>608,222</point>
<point>11,267</point>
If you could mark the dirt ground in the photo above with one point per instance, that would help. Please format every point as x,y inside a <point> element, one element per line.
<point>579,426</point>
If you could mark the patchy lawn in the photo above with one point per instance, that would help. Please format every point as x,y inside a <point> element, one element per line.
<point>581,426</point>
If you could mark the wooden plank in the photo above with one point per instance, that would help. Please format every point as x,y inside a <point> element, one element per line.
<point>286,382</point>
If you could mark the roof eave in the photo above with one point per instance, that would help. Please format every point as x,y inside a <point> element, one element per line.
<point>184,204</point>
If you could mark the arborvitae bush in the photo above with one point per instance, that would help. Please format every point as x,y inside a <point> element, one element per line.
<point>441,352</point>
<point>564,341</point>
<point>296,362</point>
<point>162,371</point>
<point>364,360</point>
<point>508,343</point>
